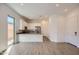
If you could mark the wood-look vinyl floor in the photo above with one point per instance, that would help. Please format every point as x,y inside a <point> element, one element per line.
<point>44,48</point>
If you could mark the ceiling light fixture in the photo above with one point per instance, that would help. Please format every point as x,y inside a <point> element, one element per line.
<point>57,5</point>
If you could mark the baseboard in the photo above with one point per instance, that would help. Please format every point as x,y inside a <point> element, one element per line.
<point>77,46</point>
<point>57,41</point>
<point>1,53</point>
<point>65,42</point>
<point>72,44</point>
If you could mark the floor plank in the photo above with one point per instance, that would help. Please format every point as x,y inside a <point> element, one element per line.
<point>43,48</point>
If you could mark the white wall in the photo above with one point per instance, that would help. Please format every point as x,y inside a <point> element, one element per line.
<point>56,28</point>
<point>44,25</point>
<point>72,26</point>
<point>53,22</point>
<point>61,29</point>
<point>53,27</point>
<point>4,12</point>
<point>78,30</point>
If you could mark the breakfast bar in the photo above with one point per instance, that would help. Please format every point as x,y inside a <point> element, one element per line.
<point>30,37</point>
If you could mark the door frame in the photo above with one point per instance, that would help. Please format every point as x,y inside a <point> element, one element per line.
<point>13,28</point>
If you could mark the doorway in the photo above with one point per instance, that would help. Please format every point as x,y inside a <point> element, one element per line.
<point>11,29</point>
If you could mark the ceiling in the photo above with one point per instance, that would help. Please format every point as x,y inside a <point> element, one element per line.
<point>36,10</point>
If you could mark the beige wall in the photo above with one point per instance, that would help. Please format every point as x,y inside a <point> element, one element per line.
<point>44,25</point>
<point>4,12</point>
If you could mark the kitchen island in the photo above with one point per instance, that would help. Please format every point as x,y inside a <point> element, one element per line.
<point>30,37</point>
<point>26,35</point>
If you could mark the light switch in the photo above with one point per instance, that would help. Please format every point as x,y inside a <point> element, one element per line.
<point>75,33</point>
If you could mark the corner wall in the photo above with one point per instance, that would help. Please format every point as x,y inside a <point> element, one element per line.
<point>56,28</point>
<point>4,12</point>
<point>53,27</point>
<point>44,26</point>
<point>72,26</point>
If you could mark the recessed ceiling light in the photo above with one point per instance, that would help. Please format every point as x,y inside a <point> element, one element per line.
<point>66,10</point>
<point>57,5</point>
<point>21,4</point>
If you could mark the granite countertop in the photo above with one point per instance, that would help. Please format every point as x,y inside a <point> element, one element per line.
<point>27,32</point>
